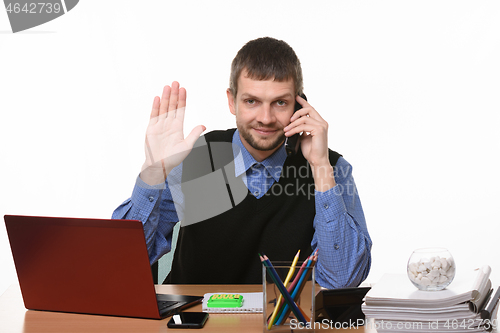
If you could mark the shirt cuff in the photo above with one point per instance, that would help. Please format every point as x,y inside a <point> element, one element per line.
<point>330,203</point>
<point>139,182</point>
<point>144,192</point>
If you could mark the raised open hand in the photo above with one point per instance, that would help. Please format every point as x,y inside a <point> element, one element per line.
<point>165,144</point>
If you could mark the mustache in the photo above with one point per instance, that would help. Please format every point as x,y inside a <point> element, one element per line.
<point>264,127</point>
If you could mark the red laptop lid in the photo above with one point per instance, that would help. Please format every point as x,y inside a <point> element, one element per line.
<point>83,265</point>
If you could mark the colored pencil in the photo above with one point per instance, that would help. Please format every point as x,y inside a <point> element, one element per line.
<point>265,260</point>
<point>298,289</point>
<point>285,310</point>
<point>292,286</point>
<point>280,298</point>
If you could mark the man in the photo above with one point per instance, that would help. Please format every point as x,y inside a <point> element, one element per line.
<point>307,201</point>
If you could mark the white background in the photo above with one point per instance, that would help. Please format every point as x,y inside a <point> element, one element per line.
<point>410,90</point>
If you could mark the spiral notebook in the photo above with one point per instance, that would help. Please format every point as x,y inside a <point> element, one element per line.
<point>252,303</point>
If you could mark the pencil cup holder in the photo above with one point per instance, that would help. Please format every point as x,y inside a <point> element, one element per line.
<point>431,269</point>
<point>279,316</point>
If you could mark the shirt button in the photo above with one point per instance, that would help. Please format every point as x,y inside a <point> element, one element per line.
<point>336,246</point>
<point>325,206</point>
<point>256,193</point>
<point>151,199</point>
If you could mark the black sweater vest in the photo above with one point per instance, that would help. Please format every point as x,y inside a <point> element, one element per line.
<point>223,248</point>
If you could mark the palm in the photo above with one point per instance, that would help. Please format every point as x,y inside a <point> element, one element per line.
<point>166,146</point>
<point>305,145</point>
<point>165,141</point>
<point>313,146</point>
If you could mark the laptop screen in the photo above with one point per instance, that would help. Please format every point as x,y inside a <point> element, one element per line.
<point>89,266</point>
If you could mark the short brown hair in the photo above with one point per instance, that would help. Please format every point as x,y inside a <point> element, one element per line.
<point>266,58</point>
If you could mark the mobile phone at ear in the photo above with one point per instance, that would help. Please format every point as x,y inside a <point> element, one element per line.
<point>188,320</point>
<point>292,143</point>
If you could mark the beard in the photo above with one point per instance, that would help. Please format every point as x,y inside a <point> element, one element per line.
<point>259,143</point>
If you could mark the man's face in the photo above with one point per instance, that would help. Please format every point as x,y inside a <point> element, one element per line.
<point>262,110</point>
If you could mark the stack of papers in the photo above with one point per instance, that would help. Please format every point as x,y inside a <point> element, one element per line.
<point>466,305</point>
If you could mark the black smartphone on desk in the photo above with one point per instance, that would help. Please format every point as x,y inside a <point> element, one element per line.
<point>188,320</point>
<point>292,143</point>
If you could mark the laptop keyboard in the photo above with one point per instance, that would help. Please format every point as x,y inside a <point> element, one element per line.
<point>169,304</point>
<point>165,305</point>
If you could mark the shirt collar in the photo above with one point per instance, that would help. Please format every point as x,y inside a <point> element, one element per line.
<point>244,160</point>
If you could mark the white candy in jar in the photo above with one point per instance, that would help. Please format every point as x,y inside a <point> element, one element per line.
<point>432,272</point>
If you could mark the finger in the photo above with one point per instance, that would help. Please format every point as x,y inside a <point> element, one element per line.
<point>174,98</point>
<point>182,98</point>
<point>298,114</point>
<point>181,106</point>
<point>302,101</point>
<point>305,105</point>
<point>156,108</point>
<point>164,100</point>
<point>295,130</point>
<point>303,120</point>
<point>306,112</point>
<point>304,124</point>
<point>194,135</point>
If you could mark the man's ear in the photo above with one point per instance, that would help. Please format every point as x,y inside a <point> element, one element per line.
<point>230,101</point>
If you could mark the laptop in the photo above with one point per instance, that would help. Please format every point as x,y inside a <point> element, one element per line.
<point>90,266</point>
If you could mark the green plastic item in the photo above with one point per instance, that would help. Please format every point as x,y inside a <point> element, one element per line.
<point>225,301</point>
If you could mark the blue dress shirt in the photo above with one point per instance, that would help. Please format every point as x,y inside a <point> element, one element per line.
<point>341,235</point>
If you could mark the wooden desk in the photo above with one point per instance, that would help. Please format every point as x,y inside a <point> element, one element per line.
<point>14,318</point>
